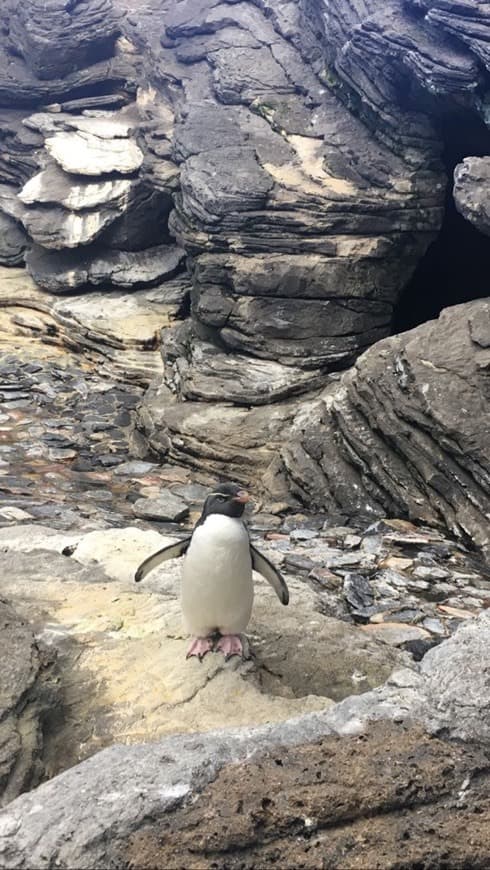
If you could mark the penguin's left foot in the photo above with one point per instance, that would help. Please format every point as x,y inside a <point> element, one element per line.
<point>233,645</point>
<point>199,647</point>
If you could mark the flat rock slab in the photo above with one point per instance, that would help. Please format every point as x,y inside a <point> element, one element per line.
<point>166,507</point>
<point>74,192</point>
<point>85,154</point>
<point>121,649</point>
<point>64,271</point>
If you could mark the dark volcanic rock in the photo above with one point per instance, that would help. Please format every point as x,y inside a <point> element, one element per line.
<point>24,700</point>
<point>406,432</point>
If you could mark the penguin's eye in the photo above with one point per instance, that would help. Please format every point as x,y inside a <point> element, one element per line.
<point>221,497</point>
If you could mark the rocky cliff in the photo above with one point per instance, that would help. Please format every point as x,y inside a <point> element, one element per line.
<point>245,238</point>
<point>291,164</point>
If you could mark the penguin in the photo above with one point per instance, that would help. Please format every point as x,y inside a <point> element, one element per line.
<point>217,586</point>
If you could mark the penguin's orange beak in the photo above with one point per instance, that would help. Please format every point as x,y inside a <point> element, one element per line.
<point>242,496</point>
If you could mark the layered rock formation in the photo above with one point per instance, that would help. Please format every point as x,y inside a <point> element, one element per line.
<point>406,432</point>
<point>72,172</point>
<point>291,154</point>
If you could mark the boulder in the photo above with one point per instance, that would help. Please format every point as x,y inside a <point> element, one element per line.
<point>406,431</point>
<point>471,191</point>
<point>251,796</point>
<point>55,39</point>
<point>26,696</point>
<point>64,271</point>
<point>13,241</point>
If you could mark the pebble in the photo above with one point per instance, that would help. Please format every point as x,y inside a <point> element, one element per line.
<point>303,535</point>
<point>193,493</point>
<point>55,453</point>
<point>431,572</point>
<point>435,626</point>
<point>397,563</point>
<point>300,563</point>
<point>326,578</point>
<point>134,468</point>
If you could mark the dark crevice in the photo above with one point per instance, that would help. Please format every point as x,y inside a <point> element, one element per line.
<point>456,266</point>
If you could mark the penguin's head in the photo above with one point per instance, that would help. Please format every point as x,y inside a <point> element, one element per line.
<point>228,499</point>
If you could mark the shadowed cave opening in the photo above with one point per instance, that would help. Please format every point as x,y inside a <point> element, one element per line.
<point>456,266</point>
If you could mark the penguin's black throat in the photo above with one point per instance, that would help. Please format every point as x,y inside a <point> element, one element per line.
<point>227,499</point>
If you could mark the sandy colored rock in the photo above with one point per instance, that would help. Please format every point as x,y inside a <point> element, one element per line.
<point>121,649</point>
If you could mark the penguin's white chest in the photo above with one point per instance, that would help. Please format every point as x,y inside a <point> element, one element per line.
<point>217,586</point>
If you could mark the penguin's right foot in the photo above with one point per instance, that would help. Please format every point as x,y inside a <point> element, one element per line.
<point>199,647</point>
<point>233,645</point>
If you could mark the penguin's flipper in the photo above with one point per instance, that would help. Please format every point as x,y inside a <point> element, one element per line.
<point>172,551</point>
<point>271,574</point>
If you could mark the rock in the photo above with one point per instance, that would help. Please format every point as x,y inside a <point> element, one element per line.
<point>471,179</point>
<point>13,241</point>
<point>26,697</point>
<point>63,271</point>
<point>167,507</point>
<point>121,329</point>
<point>359,596</point>
<point>56,40</point>
<point>178,779</point>
<point>364,449</point>
<point>50,55</point>
<point>435,626</point>
<point>10,512</point>
<point>83,153</point>
<point>236,442</point>
<point>134,468</point>
<point>56,227</point>
<point>198,370</point>
<point>74,192</point>
<point>303,535</point>
<point>430,572</point>
<point>457,671</point>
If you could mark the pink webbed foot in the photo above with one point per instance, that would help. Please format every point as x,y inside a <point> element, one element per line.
<point>233,645</point>
<point>199,647</point>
